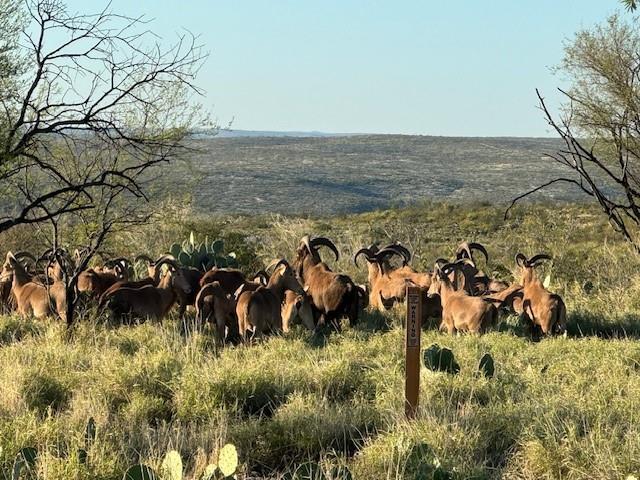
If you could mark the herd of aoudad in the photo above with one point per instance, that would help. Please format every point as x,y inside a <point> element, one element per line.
<point>304,291</point>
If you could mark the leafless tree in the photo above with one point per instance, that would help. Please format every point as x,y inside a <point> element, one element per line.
<point>600,123</point>
<point>97,104</point>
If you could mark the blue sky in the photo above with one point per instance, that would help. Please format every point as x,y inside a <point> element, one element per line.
<point>464,68</point>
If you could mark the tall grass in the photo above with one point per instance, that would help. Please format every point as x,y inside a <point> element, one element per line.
<point>558,408</point>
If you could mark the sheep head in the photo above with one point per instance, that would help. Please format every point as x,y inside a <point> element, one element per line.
<point>466,249</point>
<point>283,277</point>
<point>445,275</point>
<point>528,266</point>
<point>154,266</point>
<point>297,307</point>
<point>307,252</point>
<point>376,258</point>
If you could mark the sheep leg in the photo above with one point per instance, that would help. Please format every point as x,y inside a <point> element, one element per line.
<point>182,310</point>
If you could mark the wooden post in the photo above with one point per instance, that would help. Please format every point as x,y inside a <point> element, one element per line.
<point>412,350</point>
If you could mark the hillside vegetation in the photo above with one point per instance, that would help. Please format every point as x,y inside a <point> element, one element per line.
<point>558,408</point>
<point>364,172</point>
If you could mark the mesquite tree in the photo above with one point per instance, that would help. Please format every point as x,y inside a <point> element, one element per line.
<point>599,122</point>
<point>90,106</point>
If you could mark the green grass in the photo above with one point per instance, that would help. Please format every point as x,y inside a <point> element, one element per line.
<point>558,408</point>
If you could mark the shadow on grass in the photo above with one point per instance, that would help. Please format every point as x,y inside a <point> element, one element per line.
<point>580,324</point>
<point>368,322</point>
<point>586,324</point>
<point>374,321</point>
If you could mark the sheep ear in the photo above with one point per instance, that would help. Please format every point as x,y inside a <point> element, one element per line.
<point>547,281</point>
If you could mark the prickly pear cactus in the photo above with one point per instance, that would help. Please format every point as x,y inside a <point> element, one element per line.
<point>172,466</point>
<point>440,359</point>
<point>487,366</point>
<point>202,255</point>
<point>25,461</point>
<point>228,460</point>
<point>140,472</point>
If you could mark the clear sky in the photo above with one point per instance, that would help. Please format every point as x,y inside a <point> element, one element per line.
<point>466,67</point>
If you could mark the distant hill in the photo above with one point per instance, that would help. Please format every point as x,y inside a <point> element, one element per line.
<point>353,173</point>
<point>264,133</point>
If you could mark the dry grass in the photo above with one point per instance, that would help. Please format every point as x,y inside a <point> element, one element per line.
<point>559,408</point>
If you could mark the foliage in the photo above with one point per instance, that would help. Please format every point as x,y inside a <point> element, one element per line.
<point>630,5</point>
<point>204,255</point>
<point>89,438</point>
<point>600,124</point>
<point>228,460</point>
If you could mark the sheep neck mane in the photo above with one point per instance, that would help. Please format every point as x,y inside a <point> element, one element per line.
<point>20,276</point>
<point>277,285</point>
<point>530,278</point>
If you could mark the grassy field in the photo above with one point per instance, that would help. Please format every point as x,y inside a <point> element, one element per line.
<point>560,408</point>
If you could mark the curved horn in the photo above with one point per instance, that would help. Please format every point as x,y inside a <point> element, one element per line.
<point>46,255</point>
<point>323,241</point>
<point>165,258</point>
<point>449,267</point>
<point>364,251</point>
<point>521,260</point>
<point>118,260</point>
<point>387,251</point>
<point>276,263</point>
<point>440,262</point>
<point>118,269</point>
<point>479,247</point>
<point>169,260</point>
<point>464,261</point>
<point>306,241</point>
<point>143,257</point>
<point>464,249</point>
<point>401,248</point>
<point>24,254</point>
<point>537,258</point>
<point>262,276</point>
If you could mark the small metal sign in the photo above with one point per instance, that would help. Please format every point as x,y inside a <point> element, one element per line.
<point>412,350</point>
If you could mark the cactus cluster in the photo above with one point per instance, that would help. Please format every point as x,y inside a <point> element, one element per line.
<point>25,462</point>
<point>203,255</point>
<point>171,468</point>
<point>441,359</point>
<point>24,465</point>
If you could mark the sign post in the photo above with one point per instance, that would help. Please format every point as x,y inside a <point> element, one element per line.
<point>412,350</point>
